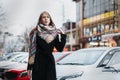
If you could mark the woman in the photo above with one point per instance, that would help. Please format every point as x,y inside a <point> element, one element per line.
<point>43,39</point>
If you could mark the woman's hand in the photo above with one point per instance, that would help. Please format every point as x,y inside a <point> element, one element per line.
<point>29,73</point>
<point>60,31</point>
<point>49,38</point>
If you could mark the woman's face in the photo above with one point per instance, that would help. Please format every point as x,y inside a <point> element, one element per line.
<point>45,19</point>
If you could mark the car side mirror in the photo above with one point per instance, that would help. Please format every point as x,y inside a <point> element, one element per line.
<point>116,66</point>
<point>110,69</point>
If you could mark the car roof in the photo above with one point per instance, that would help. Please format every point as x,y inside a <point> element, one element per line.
<point>101,48</point>
<point>17,52</point>
<point>12,55</point>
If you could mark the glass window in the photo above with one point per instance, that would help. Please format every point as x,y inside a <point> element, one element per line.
<point>115,59</point>
<point>67,38</point>
<point>86,14</point>
<point>86,4</point>
<point>99,29</point>
<point>91,3</point>
<point>86,8</point>
<point>94,11</point>
<point>25,60</point>
<point>98,10</point>
<point>18,58</point>
<point>111,7</point>
<point>83,57</point>
<point>107,0</point>
<point>106,59</point>
<point>74,36</point>
<point>96,2</point>
<point>91,31</point>
<point>102,7</point>
<point>78,11</point>
<point>102,28</point>
<point>90,11</point>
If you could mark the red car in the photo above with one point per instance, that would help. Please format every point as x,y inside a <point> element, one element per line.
<point>17,73</point>
<point>20,71</point>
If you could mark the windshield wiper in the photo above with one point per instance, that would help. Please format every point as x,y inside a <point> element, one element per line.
<point>70,64</point>
<point>108,67</point>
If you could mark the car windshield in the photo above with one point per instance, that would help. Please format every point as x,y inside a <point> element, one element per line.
<point>82,57</point>
<point>8,56</point>
<point>15,57</point>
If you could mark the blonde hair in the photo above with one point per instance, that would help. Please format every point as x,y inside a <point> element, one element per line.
<point>40,21</point>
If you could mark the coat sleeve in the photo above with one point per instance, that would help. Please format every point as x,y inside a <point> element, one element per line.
<point>29,66</point>
<point>59,44</point>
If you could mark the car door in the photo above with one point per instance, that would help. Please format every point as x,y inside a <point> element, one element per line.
<point>107,71</point>
<point>114,64</point>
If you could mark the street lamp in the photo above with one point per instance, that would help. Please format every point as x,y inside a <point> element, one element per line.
<point>71,36</point>
<point>4,39</point>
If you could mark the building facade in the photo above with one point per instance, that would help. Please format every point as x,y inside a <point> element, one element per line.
<point>99,22</point>
<point>72,36</point>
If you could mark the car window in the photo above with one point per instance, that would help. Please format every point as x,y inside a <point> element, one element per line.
<point>110,58</point>
<point>8,56</point>
<point>18,57</point>
<point>25,60</point>
<point>115,59</point>
<point>106,59</point>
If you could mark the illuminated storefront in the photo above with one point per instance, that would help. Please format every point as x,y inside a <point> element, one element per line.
<point>99,18</point>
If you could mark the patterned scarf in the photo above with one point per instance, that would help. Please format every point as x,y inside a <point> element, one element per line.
<point>47,33</point>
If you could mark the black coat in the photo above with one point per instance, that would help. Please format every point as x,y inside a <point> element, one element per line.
<point>44,65</point>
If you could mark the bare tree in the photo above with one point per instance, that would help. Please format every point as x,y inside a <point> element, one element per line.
<point>3,18</point>
<point>3,23</point>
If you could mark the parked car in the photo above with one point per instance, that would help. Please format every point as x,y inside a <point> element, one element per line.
<point>19,71</point>
<point>90,64</point>
<point>14,58</point>
<point>13,68</point>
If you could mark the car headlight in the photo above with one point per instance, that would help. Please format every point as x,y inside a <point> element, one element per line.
<point>71,76</point>
<point>11,74</point>
<point>23,74</point>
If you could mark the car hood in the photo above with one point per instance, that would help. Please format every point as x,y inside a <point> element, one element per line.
<point>65,70</point>
<point>9,64</point>
<point>22,66</point>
